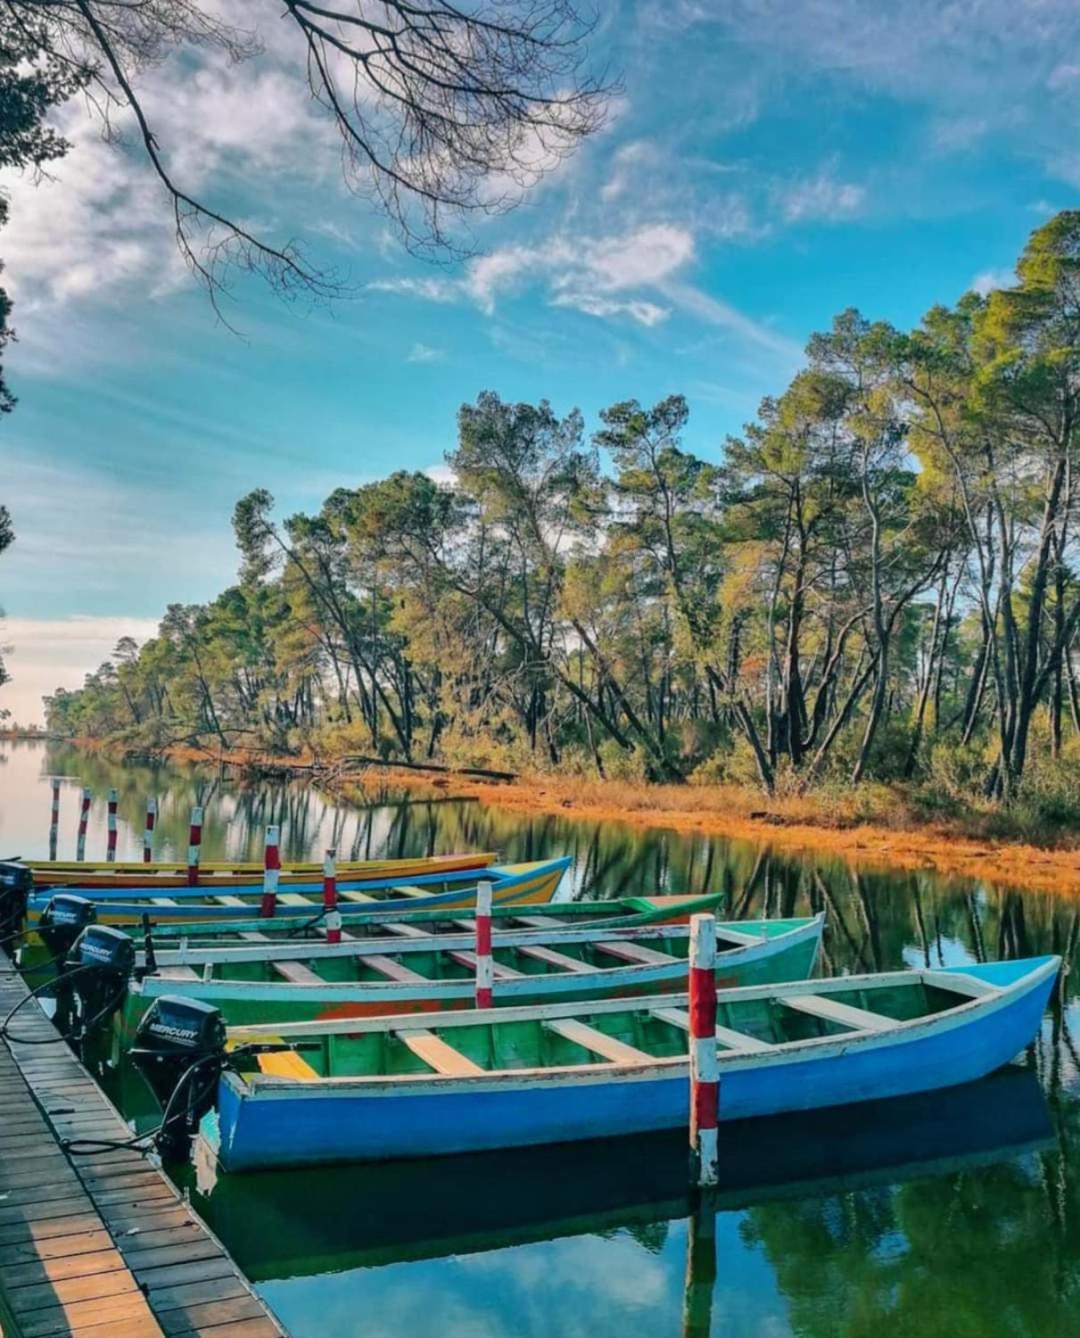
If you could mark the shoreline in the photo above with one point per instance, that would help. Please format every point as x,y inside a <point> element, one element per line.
<point>735,813</point>
<point>932,848</point>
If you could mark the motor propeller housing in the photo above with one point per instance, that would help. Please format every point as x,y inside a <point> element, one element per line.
<point>180,1051</point>
<point>101,962</point>
<point>63,920</point>
<point>16,884</point>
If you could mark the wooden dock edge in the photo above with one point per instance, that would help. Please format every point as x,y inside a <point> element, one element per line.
<point>100,1244</point>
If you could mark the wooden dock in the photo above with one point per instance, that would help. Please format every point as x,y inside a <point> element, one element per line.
<point>100,1244</point>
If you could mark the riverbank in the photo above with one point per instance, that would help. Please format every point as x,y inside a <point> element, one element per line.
<point>873,826</point>
<point>886,834</point>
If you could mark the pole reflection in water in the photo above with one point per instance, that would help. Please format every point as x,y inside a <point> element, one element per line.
<point>700,1266</point>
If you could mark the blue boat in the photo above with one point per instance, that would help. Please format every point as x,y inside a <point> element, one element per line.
<point>512,884</point>
<point>453,1082</point>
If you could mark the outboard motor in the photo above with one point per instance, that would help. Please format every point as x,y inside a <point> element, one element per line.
<point>101,962</point>
<point>16,884</point>
<point>63,920</point>
<point>180,1051</point>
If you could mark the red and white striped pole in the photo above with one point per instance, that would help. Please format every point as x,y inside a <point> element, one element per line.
<point>110,840</point>
<point>704,1065</point>
<point>148,831</point>
<point>54,820</point>
<point>484,974</point>
<point>194,848</point>
<point>84,818</point>
<point>329,896</point>
<point>271,873</point>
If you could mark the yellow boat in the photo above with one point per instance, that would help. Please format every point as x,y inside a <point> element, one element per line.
<point>239,873</point>
<point>449,890</point>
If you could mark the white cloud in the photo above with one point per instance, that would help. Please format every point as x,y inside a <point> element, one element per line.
<point>715,311</point>
<point>433,290</point>
<point>99,228</point>
<point>589,274</point>
<point>819,197</point>
<point>592,304</point>
<point>629,162</point>
<point>443,475</point>
<point>990,279</point>
<point>425,353</point>
<point>50,653</point>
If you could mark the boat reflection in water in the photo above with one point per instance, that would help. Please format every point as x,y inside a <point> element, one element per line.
<point>328,1220</point>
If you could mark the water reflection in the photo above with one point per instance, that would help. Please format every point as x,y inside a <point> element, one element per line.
<point>956,1213</point>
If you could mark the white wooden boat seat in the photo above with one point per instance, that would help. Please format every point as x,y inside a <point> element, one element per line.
<point>500,972</point>
<point>820,1005</point>
<point>736,937</point>
<point>733,1040</point>
<point>295,899</point>
<point>226,900</point>
<point>550,957</point>
<point>297,973</point>
<point>406,891</point>
<point>354,896</point>
<point>177,973</point>
<point>387,966</point>
<point>541,921</point>
<point>598,1042</point>
<point>437,1055</point>
<point>636,953</point>
<point>406,931</point>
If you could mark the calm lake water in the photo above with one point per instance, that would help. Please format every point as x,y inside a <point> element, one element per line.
<point>958,1214</point>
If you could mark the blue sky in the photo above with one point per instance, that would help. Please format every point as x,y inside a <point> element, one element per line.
<point>768,163</point>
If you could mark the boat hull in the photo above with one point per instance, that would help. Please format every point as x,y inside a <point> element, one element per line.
<point>292,1123</point>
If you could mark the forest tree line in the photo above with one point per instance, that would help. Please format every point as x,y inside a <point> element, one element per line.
<point>877,579</point>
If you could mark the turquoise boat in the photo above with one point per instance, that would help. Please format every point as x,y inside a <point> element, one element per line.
<point>454,1082</point>
<point>426,973</point>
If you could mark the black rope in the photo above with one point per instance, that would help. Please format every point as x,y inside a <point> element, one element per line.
<point>60,1036</point>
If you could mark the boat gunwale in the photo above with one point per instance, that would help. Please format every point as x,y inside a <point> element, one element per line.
<point>985,998</point>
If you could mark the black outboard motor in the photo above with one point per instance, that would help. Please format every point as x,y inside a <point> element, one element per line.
<point>101,962</point>
<point>180,1051</point>
<point>16,884</point>
<point>63,920</point>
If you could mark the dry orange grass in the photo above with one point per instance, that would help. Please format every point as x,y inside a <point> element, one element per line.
<point>873,826</point>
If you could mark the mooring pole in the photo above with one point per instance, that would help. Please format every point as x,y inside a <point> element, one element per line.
<point>329,896</point>
<point>148,831</point>
<point>84,818</point>
<point>194,849</point>
<point>54,820</point>
<point>484,972</point>
<point>271,873</point>
<point>704,1066</point>
<point>110,839</point>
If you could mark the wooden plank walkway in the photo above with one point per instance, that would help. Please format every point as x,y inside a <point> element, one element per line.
<point>102,1244</point>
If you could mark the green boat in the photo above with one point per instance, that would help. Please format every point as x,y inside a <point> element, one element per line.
<point>412,972</point>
